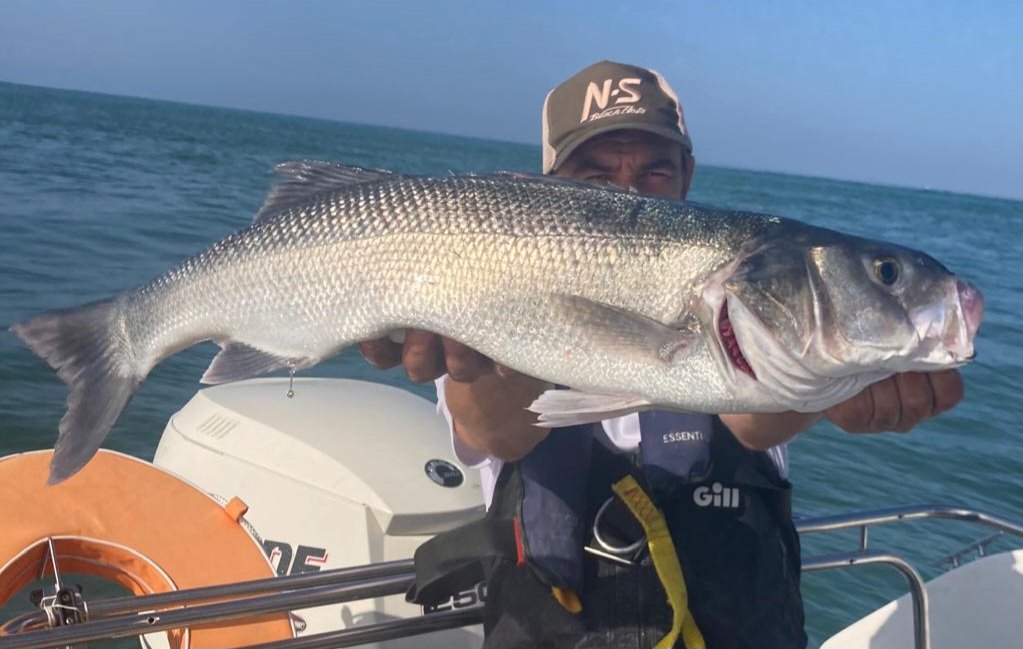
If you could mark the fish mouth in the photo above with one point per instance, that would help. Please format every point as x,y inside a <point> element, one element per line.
<point>946,328</point>
<point>729,343</point>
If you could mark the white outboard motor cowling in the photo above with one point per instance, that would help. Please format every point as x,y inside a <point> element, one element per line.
<point>341,473</point>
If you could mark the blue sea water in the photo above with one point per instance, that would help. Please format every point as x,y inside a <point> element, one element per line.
<point>99,193</point>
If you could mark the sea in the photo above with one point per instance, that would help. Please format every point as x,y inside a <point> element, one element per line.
<point>99,193</point>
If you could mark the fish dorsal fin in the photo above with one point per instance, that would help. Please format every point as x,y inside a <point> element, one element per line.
<point>558,180</point>
<point>302,179</point>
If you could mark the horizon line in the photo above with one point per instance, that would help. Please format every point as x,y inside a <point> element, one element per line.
<point>334,120</point>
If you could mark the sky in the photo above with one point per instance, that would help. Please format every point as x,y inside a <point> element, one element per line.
<point>917,94</point>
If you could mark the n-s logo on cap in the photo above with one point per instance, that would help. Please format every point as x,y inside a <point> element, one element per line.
<point>626,92</point>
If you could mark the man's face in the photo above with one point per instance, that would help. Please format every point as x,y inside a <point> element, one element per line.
<point>652,165</point>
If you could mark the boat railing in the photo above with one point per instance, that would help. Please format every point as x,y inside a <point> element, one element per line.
<point>978,547</point>
<point>139,615</point>
<point>864,556</point>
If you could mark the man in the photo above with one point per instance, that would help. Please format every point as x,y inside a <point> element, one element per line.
<point>719,481</point>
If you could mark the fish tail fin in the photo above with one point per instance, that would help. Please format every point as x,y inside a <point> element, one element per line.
<point>88,349</point>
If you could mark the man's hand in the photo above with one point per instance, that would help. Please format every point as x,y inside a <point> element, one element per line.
<point>487,401</point>
<point>427,356</point>
<point>899,402</point>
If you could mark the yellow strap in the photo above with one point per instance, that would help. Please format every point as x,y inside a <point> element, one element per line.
<point>669,571</point>
<point>568,599</point>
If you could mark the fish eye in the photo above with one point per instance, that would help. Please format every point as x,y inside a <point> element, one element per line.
<point>886,270</point>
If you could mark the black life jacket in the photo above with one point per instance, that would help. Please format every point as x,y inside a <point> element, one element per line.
<point>727,510</point>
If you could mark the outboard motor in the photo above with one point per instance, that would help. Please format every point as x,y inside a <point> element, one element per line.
<point>340,473</point>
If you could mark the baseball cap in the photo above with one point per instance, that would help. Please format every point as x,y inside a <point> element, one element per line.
<point>609,96</point>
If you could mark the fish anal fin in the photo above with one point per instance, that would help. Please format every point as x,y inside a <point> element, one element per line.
<point>237,361</point>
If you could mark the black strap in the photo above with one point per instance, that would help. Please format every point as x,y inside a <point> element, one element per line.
<point>461,558</point>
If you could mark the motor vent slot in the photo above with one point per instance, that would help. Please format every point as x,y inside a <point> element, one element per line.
<point>217,426</point>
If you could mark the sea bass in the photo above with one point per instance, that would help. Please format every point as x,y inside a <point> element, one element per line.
<point>631,302</point>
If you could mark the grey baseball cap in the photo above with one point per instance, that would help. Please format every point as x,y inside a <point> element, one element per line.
<point>609,96</point>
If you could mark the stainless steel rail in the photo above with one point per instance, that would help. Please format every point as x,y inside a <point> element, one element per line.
<point>149,622</point>
<point>863,520</point>
<point>106,608</point>
<point>917,589</point>
<point>383,631</point>
<point>132,616</point>
<point>903,514</point>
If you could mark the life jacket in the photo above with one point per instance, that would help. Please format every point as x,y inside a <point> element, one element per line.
<point>725,520</point>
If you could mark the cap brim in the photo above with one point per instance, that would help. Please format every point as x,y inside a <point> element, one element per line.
<point>575,140</point>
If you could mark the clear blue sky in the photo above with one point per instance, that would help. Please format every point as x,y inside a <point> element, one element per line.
<point>922,94</point>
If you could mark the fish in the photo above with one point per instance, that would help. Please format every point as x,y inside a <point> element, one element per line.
<point>625,302</point>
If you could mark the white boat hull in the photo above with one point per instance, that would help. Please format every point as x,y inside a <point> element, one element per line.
<point>975,605</point>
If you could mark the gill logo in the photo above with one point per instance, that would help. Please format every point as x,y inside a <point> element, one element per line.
<point>716,496</point>
<point>626,91</point>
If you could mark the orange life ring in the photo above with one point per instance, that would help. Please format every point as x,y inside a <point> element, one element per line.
<point>133,523</point>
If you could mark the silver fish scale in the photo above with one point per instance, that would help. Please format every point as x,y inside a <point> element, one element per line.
<point>508,206</point>
<point>485,260</point>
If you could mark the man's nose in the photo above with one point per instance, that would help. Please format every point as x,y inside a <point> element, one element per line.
<point>625,180</point>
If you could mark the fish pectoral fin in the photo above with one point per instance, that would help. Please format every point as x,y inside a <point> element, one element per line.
<point>624,333</point>
<point>302,179</point>
<point>558,408</point>
<point>237,361</point>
